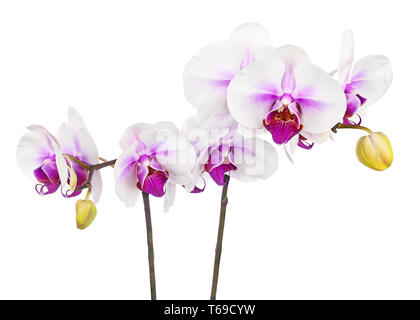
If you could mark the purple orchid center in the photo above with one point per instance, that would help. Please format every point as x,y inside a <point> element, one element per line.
<point>354,101</point>
<point>283,122</point>
<point>47,176</point>
<point>151,176</point>
<point>219,164</point>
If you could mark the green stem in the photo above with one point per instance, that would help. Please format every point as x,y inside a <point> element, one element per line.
<point>223,205</point>
<point>150,245</point>
<point>349,126</point>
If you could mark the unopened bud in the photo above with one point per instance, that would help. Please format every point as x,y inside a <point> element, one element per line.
<point>85,213</point>
<point>375,151</point>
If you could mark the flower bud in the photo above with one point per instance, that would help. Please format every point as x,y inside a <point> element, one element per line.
<point>375,151</point>
<point>85,213</point>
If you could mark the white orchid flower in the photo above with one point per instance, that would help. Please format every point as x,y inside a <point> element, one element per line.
<point>154,160</point>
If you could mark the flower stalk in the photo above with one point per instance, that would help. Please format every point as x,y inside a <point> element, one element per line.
<point>150,245</point>
<point>349,126</point>
<point>223,205</point>
<point>91,168</point>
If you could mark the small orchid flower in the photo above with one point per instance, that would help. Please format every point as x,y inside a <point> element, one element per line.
<point>39,155</point>
<point>78,143</point>
<point>221,152</point>
<point>288,96</point>
<point>365,81</point>
<point>208,74</point>
<point>45,157</point>
<point>155,158</point>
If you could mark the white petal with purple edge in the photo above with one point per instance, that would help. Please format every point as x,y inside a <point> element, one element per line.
<point>372,77</point>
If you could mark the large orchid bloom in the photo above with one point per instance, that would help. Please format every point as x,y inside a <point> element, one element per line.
<point>224,151</point>
<point>290,97</point>
<point>78,143</point>
<point>39,156</point>
<point>208,74</point>
<point>43,156</point>
<point>155,158</point>
<point>365,81</point>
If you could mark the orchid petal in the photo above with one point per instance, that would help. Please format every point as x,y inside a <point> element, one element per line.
<point>321,98</point>
<point>175,154</point>
<point>346,56</point>
<point>208,74</point>
<point>253,91</point>
<point>126,177</point>
<point>169,196</point>
<point>96,186</point>
<point>372,77</point>
<point>291,56</point>
<point>254,158</point>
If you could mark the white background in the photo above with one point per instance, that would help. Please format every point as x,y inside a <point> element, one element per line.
<point>326,227</point>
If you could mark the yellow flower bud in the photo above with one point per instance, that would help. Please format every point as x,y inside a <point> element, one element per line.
<point>85,213</point>
<point>375,151</point>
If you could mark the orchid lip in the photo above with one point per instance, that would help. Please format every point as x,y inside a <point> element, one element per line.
<point>152,178</point>
<point>47,176</point>
<point>219,164</point>
<point>283,123</point>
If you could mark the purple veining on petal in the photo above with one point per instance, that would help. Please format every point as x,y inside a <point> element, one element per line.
<point>282,124</point>
<point>304,144</point>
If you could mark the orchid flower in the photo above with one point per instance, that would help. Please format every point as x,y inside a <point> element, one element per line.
<point>225,151</point>
<point>288,96</point>
<point>78,143</point>
<point>209,73</point>
<point>43,156</point>
<point>154,159</point>
<point>39,155</point>
<point>363,82</point>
